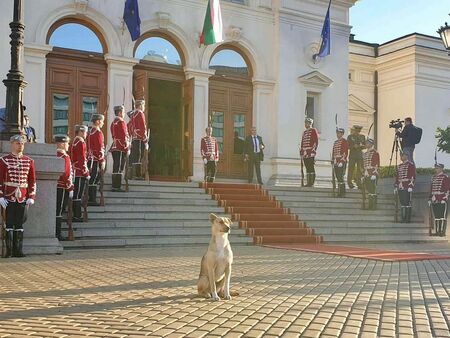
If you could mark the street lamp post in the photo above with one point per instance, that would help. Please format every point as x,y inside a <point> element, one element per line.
<point>444,32</point>
<point>15,82</point>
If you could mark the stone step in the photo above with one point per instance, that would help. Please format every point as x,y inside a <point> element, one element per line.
<point>273,239</point>
<point>106,224</point>
<point>368,224</point>
<point>349,217</point>
<point>161,201</point>
<point>332,205</point>
<point>133,183</point>
<point>140,231</point>
<point>335,211</point>
<point>241,197</point>
<point>271,224</point>
<point>159,188</point>
<point>150,241</point>
<point>283,232</point>
<point>151,216</point>
<point>370,231</point>
<point>256,210</point>
<point>326,200</point>
<point>370,238</point>
<point>151,195</point>
<point>155,208</point>
<point>324,197</point>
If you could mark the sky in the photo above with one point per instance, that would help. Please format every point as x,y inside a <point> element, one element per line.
<point>379,21</point>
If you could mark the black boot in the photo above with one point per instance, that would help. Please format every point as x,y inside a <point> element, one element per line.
<point>374,203</point>
<point>9,242</point>
<point>77,217</point>
<point>137,171</point>
<point>58,229</point>
<point>341,189</point>
<point>92,193</point>
<point>18,244</point>
<point>116,182</point>
<point>313,179</point>
<point>408,214</point>
<point>444,228</point>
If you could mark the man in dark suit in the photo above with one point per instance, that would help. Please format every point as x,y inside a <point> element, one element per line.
<point>254,155</point>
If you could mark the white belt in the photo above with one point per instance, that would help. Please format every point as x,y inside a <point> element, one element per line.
<point>17,192</point>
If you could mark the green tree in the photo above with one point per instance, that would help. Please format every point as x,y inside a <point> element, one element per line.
<point>443,136</point>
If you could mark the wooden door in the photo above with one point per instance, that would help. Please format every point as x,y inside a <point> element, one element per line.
<point>230,110</point>
<point>76,88</point>
<point>187,128</point>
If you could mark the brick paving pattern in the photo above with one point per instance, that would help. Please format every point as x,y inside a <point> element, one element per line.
<point>151,292</point>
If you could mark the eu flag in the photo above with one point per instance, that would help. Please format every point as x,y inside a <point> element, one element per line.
<point>132,19</point>
<point>326,36</point>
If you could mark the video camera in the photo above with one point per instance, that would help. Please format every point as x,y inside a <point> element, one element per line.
<point>397,124</point>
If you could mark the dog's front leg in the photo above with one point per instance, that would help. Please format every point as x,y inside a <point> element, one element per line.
<point>226,289</point>
<point>212,283</point>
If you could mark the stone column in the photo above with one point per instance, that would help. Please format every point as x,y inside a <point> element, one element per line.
<point>35,67</point>
<point>120,79</point>
<point>201,108</point>
<point>39,230</point>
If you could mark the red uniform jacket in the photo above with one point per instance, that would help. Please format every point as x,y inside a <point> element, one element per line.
<point>371,160</point>
<point>405,176</point>
<point>440,188</point>
<point>120,136</point>
<point>17,178</point>
<point>65,180</point>
<point>310,140</point>
<point>96,145</point>
<point>340,151</point>
<point>78,155</point>
<point>138,126</point>
<point>209,148</point>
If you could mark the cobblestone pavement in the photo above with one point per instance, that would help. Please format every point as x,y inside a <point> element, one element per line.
<point>151,292</point>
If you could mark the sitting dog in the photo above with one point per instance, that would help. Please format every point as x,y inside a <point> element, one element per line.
<point>215,271</point>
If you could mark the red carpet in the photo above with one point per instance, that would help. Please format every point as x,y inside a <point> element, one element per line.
<point>379,255</point>
<point>261,215</point>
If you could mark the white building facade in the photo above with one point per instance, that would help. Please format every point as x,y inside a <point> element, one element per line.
<point>276,39</point>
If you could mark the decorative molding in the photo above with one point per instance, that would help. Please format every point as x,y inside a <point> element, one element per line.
<point>234,33</point>
<point>357,105</point>
<point>81,5</point>
<point>316,79</point>
<point>309,52</point>
<point>163,19</point>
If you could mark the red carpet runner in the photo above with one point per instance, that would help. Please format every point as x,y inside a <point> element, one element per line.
<point>261,215</point>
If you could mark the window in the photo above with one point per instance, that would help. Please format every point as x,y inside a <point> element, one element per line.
<point>239,133</point>
<point>228,61</point>
<point>157,49</point>
<point>90,105</point>
<point>76,36</point>
<point>60,114</point>
<point>312,107</point>
<point>217,123</point>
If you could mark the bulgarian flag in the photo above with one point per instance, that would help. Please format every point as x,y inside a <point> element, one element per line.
<point>212,27</point>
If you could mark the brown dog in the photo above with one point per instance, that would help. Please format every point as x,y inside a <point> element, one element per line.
<point>215,271</point>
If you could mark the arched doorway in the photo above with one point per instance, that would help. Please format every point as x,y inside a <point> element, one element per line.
<point>76,83</point>
<point>159,78</point>
<point>230,108</point>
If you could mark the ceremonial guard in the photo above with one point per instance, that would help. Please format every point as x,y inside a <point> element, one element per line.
<point>17,193</point>
<point>209,149</point>
<point>64,189</point>
<point>139,145</point>
<point>440,191</point>
<point>254,155</point>
<point>120,147</point>
<point>356,144</point>
<point>405,178</point>
<point>371,160</point>
<point>81,172</point>
<point>96,156</point>
<point>339,156</point>
<point>308,149</point>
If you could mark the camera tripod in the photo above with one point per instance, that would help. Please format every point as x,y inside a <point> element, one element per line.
<point>395,148</point>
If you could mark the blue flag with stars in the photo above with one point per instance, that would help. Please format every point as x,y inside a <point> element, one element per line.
<point>325,46</point>
<point>132,19</point>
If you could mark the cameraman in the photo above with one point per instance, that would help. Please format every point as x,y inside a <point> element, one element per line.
<point>408,139</point>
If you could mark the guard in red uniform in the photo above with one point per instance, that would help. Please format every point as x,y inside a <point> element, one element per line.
<point>209,149</point>
<point>64,189</point>
<point>96,156</point>
<point>440,191</point>
<point>405,178</point>
<point>371,159</point>
<point>308,149</point>
<point>139,138</point>
<point>17,193</point>
<point>120,147</point>
<point>339,156</point>
<point>81,172</point>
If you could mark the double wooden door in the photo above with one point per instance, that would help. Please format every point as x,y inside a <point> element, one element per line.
<point>230,115</point>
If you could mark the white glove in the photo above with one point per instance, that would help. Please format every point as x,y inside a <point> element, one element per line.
<point>443,202</point>
<point>373,177</point>
<point>128,152</point>
<point>409,189</point>
<point>146,146</point>
<point>88,177</point>
<point>3,202</point>
<point>30,201</point>
<point>103,165</point>
<point>395,190</point>
<point>71,194</point>
<point>340,165</point>
<point>205,160</point>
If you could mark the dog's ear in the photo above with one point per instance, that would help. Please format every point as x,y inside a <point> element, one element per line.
<point>212,217</point>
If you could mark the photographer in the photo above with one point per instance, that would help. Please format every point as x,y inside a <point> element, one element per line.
<point>409,138</point>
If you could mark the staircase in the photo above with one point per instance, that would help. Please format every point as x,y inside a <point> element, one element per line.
<point>341,220</point>
<point>151,214</point>
<point>261,215</point>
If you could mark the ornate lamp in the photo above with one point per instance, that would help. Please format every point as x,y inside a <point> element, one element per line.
<point>444,32</point>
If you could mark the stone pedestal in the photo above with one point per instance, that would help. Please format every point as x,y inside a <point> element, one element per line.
<point>39,230</point>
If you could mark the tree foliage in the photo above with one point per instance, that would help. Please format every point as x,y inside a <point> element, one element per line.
<point>443,136</point>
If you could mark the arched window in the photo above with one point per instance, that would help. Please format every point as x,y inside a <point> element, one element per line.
<point>76,36</point>
<point>158,49</point>
<point>228,61</point>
